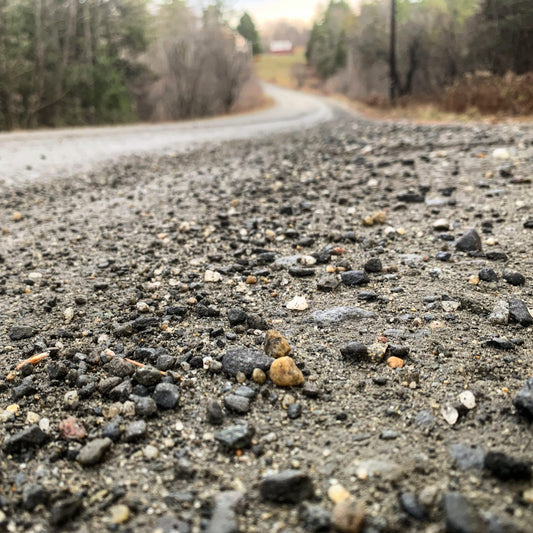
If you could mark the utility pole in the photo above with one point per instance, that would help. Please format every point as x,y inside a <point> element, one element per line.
<point>393,75</point>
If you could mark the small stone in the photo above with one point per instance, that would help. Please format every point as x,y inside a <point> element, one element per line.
<point>500,314</point>
<point>18,333</point>
<point>461,517</point>
<point>275,345</point>
<point>467,456</point>
<point>450,414</point>
<point>443,256</point>
<point>236,437</point>
<point>349,515</point>
<point>294,411</point>
<point>245,360</point>
<point>469,242</point>
<point>72,429</point>
<point>412,506</point>
<point>328,283</point>
<point>214,413</point>
<point>211,276</point>
<point>373,266</point>
<point>337,493</point>
<point>298,303</point>
<point>528,496</point>
<point>379,217</point>
<point>376,352</point>
<point>355,351</point>
<point>335,315</point>
<point>523,401</point>
<point>500,344</point>
<point>501,154</point>
<point>258,376</point>
<point>144,406</point>
<point>353,278</point>
<point>237,404</point>
<point>237,316</point>
<point>93,452</point>
<point>507,468</point>
<point>285,373</point>
<point>120,514</point>
<point>150,452</point>
<point>518,312</point>
<point>223,519</point>
<point>147,376</point>
<point>441,225</point>
<point>289,486</point>
<point>30,437</point>
<point>488,275</point>
<point>166,395</point>
<point>395,362</point>
<point>513,278</point>
<point>135,431</point>
<point>467,399</point>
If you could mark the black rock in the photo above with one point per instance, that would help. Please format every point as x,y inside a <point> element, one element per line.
<point>166,395</point>
<point>237,404</point>
<point>315,519</point>
<point>497,256</point>
<point>443,256</point>
<point>523,401</point>
<point>214,413</point>
<point>518,312</point>
<point>289,486</point>
<point>355,351</point>
<point>135,430</point>
<point>507,468</point>
<point>469,242</point>
<point>26,388</point>
<point>66,510</point>
<point>412,507</point>
<point>245,360</point>
<point>147,376</point>
<point>367,296</point>
<point>17,333</point>
<point>256,322</point>
<point>373,265</point>
<point>500,344</point>
<point>395,350</point>
<point>299,272</point>
<point>488,275</point>
<point>30,437</point>
<point>513,278</point>
<point>294,411</point>
<point>236,437</point>
<point>355,277</point>
<point>237,316</point>
<point>328,283</point>
<point>411,198</point>
<point>528,224</point>
<point>34,496</point>
<point>144,406</point>
<point>121,392</point>
<point>266,258</point>
<point>461,517</point>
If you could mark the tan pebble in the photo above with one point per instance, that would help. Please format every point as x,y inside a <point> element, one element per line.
<point>337,493</point>
<point>349,515</point>
<point>17,216</point>
<point>287,400</point>
<point>376,351</point>
<point>380,217</point>
<point>275,344</point>
<point>298,303</point>
<point>258,376</point>
<point>474,280</point>
<point>251,280</point>
<point>330,269</point>
<point>395,362</point>
<point>120,514</point>
<point>13,408</point>
<point>270,235</point>
<point>367,221</point>
<point>240,377</point>
<point>528,496</point>
<point>285,373</point>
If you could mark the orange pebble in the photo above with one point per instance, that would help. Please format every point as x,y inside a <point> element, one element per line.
<point>395,362</point>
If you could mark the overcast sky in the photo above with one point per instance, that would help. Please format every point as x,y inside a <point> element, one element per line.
<point>262,10</point>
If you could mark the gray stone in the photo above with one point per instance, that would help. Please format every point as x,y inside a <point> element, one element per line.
<point>412,506</point>
<point>466,456</point>
<point>353,278</point>
<point>518,312</point>
<point>30,437</point>
<point>148,376</point>
<point>334,315</point>
<point>500,314</point>
<point>355,351</point>
<point>237,436</point>
<point>223,519</point>
<point>214,412</point>
<point>237,404</point>
<point>17,333</point>
<point>469,242</point>
<point>289,486</point>
<point>315,518</point>
<point>135,430</point>
<point>120,368</point>
<point>461,517</point>
<point>144,406</point>
<point>93,452</point>
<point>523,401</point>
<point>121,392</point>
<point>166,395</point>
<point>245,360</point>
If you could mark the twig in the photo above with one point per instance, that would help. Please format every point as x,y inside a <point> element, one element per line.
<point>111,353</point>
<point>34,359</point>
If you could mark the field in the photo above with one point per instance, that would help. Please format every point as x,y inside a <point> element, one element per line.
<point>278,68</point>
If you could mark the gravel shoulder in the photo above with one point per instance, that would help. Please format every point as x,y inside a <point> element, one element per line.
<point>182,261</point>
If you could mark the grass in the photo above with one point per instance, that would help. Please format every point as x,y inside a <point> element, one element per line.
<point>278,68</point>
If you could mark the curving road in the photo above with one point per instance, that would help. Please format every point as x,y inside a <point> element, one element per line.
<point>29,155</point>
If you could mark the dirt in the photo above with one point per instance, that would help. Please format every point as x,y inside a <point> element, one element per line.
<point>114,261</point>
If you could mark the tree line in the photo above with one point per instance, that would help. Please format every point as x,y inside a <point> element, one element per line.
<point>73,62</point>
<point>416,48</point>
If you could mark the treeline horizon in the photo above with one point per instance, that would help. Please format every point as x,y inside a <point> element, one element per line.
<point>85,62</point>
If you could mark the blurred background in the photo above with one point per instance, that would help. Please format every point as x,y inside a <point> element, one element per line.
<point>84,62</point>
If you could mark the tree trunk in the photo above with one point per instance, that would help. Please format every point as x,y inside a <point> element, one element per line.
<point>393,73</point>
<point>88,57</point>
<point>67,45</point>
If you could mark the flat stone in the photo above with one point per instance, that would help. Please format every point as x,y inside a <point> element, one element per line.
<point>289,486</point>
<point>518,312</point>
<point>93,452</point>
<point>237,404</point>
<point>236,437</point>
<point>30,437</point>
<point>17,333</point>
<point>245,360</point>
<point>335,315</point>
<point>461,517</point>
<point>223,519</point>
<point>523,401</point>
<point>467,457</point>
<point>469,242</point>
<point>353,278</point>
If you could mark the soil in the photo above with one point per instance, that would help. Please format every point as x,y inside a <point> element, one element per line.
<point>112,264</point>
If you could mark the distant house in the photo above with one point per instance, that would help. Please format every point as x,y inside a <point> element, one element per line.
<point>281,47</point>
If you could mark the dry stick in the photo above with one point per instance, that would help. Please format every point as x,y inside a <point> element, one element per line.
<point>34,359</point>
<point>111,353</point>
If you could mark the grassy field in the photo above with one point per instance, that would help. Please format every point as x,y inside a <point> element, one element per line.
<point>277,68</point>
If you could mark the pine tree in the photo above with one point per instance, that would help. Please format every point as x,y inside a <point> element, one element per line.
<point>248,30</point>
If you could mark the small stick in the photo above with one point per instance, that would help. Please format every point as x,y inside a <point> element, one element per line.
<point>111,353</point>
<point>34,359</point>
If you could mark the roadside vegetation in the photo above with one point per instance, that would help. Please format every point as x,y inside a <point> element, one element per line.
<point>81,62</point>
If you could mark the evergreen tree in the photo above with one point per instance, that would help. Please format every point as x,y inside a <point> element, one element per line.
<point>248,30</point>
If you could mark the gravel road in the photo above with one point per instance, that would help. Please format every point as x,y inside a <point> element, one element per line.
<point>326,329</point>
<point>42,154</point>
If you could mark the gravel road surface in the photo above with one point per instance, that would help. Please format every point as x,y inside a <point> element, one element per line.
<point>320,330</point>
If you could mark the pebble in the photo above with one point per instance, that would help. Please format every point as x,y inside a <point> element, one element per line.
<point>395,362</point>
<point>275,345</point>
<point>518,312</point>
<point>467,456</point>
<point>412,506</point>
<point>386,470</point>
<point>461,516</point>
<point>214,413</point>
<point>355,351</point>
<point>147,376</point>
<point>223,518</point>
<point>166,395</point>
<point>120,513</point>
<point>335,315</point>
<point>450,414</point>
<point>507,468</point>
<point>523,401</point>
<point>30,437</point>
<point>150,452</point>
<point>488,275</point>
<point>298,303</point>
<point>144,406</point>
<point>245,360</point>
<point>211,276</point>
<point>289,486</point>
<point>500,343</point>
<point>353,278</point>
<point>467,399</point>
<point>501,154</point>
<point>441,225</point>
<point>258,376</point>
<point>376,352</point>
<point>499,314</point>
<point>328,283</point>
<point>237,404</point>
<point>135,431</point>
<point>373,265</point>
<point>469,242</point>
<point>285,373</point>
<point>513,278</point>
<point>349,515</point>
<point>315,518</point>
<point>294,411</point>
<point>337,493</point>
<point>93,452</point>
<point>18,333</point>
<point>236,437</point>
<point>237,316</point>
<point>72,428</point>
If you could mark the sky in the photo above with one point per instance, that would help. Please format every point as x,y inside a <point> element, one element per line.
<point>264,10</point>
